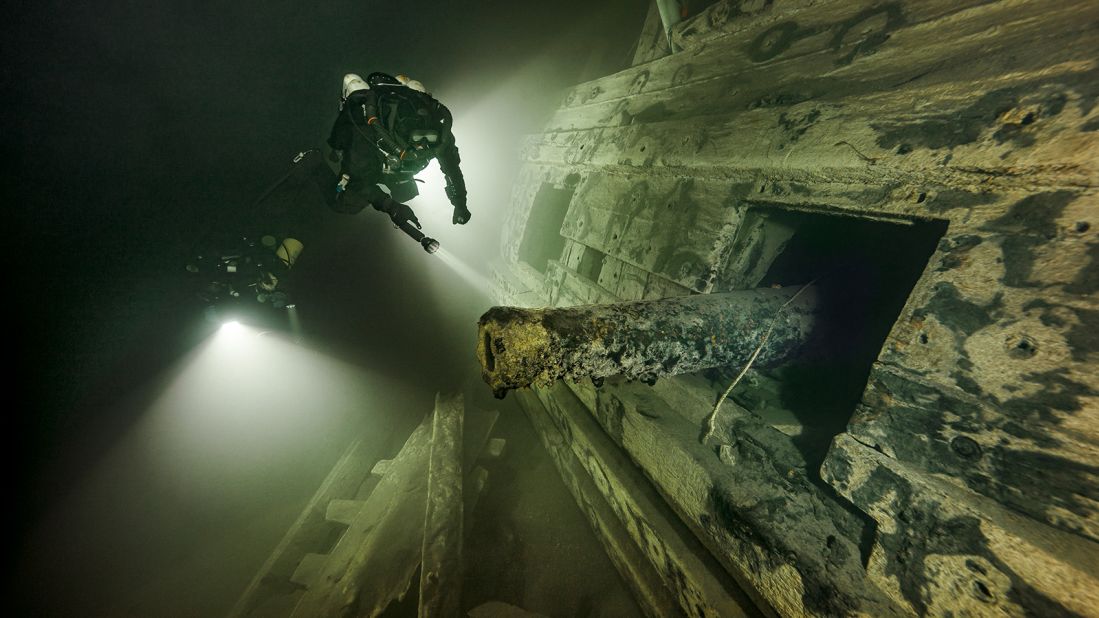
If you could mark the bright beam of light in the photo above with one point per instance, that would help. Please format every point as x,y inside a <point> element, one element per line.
<point>224,452</point>
<point>232,329</point>
<point>471,277</point>
<point>244,407</point>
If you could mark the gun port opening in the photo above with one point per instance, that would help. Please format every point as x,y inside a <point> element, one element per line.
<point>864,271</point>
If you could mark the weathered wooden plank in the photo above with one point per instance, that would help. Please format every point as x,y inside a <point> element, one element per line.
<point>775,41</point>
<point>572,255</point>
<point>897,43</point>
<point>379,551</point>
<point>381,467</point>
<point>660,287</point>
<point>727,17</point>
<point>701,587</point>
<point>441,564</point>
<point>811,567</point>
<point>939,550</point>
<point>309,570</point>
<point>567,288</point>
<point>345,477</point>
<point>655,600</point>
<point>625,281</point>
<point>1008,453</point>
<point>879,141</point>
<point>759,240</point>
<point>678,228</point>
<point>343,511</point>
<point>515,283</point>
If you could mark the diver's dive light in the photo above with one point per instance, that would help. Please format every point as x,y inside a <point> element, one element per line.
<point>429,244</point>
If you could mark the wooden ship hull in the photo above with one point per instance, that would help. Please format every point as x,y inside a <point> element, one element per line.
<point>954,141</point>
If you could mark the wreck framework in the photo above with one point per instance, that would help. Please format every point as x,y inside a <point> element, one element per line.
<point>966,478</point>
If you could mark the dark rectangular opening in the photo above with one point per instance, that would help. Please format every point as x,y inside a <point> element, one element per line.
<point>591,264</point>
<point>864,271</point>
<point>542,240</point>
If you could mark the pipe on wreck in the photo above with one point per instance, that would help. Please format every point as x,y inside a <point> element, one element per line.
<point>642,340</point>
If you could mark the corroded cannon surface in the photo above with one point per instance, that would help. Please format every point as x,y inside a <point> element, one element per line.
<point>641,340</point>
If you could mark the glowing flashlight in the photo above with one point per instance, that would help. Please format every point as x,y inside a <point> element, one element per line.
<point>231,327</point>
<point>429,244</point>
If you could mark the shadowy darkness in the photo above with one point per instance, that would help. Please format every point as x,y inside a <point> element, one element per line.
<point>136,132</point>
<point>864,272</point>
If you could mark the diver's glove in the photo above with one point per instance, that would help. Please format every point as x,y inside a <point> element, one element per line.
<point>341,186</point>
<point>461,215</point>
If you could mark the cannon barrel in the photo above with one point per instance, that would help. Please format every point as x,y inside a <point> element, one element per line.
<point>642,340</point>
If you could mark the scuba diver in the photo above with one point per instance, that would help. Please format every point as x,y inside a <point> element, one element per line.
<point>387,131</point>
<point>232,269</point>
<point>254,267</point>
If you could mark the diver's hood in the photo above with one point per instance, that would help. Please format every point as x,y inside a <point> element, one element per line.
<point>353,83</point>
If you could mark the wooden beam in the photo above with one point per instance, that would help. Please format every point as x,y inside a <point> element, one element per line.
<point>565,287</point>
<point>759,240</point>
<point>517,284</point>
<point>811,567</point>
<point>654,598</point>
<point>700,585</point>
<point>726,17</point>
<point>343,511</point>
<point>374,560</point>
<point>1006,452</point>
<point>301,538</point>
<point>678,228</point>
<point>832,50</point>
<point>939,549</point>
<point>308,572</point>
<point>441,566</point>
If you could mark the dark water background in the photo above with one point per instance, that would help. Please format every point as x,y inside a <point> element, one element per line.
<point>155,466</point>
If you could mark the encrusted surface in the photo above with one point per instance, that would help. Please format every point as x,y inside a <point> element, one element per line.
<point>641,340</point>
<point>975,446</point>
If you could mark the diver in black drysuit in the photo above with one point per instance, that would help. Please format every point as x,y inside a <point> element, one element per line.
<point>389,129</point>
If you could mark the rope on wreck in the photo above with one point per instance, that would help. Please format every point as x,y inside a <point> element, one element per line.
<point>711,420</point>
